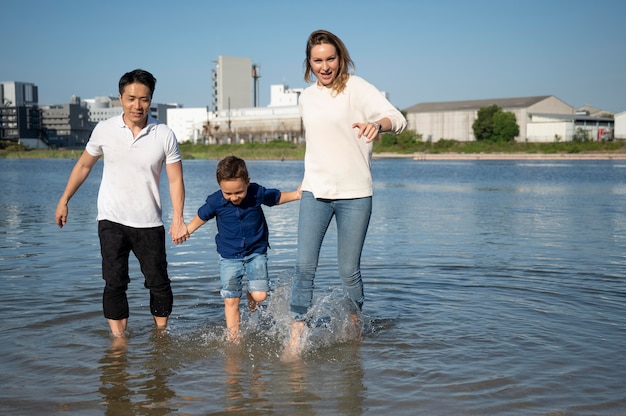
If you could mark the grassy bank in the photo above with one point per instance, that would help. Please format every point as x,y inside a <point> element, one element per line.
<point>451,146</point>
<point>278,150</point>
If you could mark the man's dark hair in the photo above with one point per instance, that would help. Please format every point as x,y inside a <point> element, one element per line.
<point>140,76</point>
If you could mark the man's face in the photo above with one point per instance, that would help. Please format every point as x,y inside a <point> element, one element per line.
<point>136,100</point>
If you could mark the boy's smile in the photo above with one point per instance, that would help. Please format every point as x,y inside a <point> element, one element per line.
<point>234,190</point>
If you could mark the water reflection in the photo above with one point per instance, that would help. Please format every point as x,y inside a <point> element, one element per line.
<point>114,377</point>
<point>314,386</point>
<point>130,385</point>
<point>246,386</point>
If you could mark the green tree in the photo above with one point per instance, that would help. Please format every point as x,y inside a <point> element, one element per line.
<point>582,136</point>
<point>505,127</point>
<point>493,124</point>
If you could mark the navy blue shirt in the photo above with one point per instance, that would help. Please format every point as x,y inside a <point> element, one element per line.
<point>241,229</point>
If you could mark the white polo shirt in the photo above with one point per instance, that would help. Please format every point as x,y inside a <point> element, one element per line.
<point>129,191</point>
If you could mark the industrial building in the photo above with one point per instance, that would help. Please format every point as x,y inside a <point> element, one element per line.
<point>66,125</point>
<point>19,116</point>
<point>280,120</point>
<point>233,83</point>
<point>235,117</point>
<point>620,126</point>
<point>540,119</point>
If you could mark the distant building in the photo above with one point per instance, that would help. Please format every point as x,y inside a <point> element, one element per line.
<point>591,111</point>
<point>102,108</point>
<point>540,119</point>
<point>159,111</point>
<point>66,125</point>
<point>189,124</point>
<point>282,96</point>
<point>20,117</point>
<point>280,120</point>
<point>23,125</point>
<point>620,126</point>
<point>565,127</point>
<point>232,83</point>
<point>18,94</point>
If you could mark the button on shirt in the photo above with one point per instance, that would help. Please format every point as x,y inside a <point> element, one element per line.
<point>241,229</point>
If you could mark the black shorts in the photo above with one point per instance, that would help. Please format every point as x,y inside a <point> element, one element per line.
<point>148,245</point>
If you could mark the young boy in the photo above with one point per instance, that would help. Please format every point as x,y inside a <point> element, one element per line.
<point>242,235</point>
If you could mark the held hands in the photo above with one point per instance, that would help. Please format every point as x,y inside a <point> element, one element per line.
<point>369,130</point>
<point>179,231</point>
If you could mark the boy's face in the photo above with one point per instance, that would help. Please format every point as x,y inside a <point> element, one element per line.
<point>234,190</point>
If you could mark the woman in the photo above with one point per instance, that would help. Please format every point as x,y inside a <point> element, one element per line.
<point>342,115</point>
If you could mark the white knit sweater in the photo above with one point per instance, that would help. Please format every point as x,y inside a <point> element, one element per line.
<point>336,162</point>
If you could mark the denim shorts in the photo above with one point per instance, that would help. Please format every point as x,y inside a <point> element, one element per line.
<point>232,272</point>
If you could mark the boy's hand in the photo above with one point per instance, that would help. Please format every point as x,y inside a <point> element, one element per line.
<point>179,231</point>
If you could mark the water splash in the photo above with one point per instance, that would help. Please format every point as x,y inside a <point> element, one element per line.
<point>332,319</point>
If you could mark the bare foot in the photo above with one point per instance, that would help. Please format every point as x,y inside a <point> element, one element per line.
<point>354,328</point>
<point>233,336</point>
<point>119,342</point>
<point>293,351</point>
<point>253,305</point>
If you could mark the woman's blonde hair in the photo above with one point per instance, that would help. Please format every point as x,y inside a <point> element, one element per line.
<point>346,66</point>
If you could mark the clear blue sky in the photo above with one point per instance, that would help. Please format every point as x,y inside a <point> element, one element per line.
<point>417,51</point>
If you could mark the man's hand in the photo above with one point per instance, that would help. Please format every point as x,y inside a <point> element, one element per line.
<point>178,231</point>
<point>61,214</point>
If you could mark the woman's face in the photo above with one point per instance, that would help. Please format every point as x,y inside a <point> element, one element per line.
<point>324,63</point>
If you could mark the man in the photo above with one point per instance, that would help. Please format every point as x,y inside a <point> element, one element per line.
<point>134,147</point>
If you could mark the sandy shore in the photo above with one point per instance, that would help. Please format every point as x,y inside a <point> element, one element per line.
<point>504,156</point>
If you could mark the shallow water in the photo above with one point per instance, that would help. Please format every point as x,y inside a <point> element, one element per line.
<point>491,288</point>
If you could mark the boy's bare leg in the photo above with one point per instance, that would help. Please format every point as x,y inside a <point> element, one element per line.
<point>118,327</point>
<point>254,298</point>
<point>231,313</point>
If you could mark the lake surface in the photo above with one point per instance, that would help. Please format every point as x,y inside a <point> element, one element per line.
<point>492,288</point>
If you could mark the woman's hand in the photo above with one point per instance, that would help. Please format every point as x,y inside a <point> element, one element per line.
<point>369,130</point>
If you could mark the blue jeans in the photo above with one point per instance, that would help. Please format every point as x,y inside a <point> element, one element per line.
<point>352,217</point>
<point>232,271</point>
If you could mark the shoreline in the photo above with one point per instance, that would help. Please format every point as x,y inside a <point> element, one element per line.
<point>502,156</point>
<point>417,156</point>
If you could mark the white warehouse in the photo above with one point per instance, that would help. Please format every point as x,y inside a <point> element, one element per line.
<point>620,125</point>
<point>540,119</point>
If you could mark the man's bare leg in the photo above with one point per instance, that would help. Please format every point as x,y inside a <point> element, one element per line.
<point>160,321</point>
<point>118,327</point>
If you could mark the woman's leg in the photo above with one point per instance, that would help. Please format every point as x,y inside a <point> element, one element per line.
<point>352,216</point>
<point>314,218</point>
